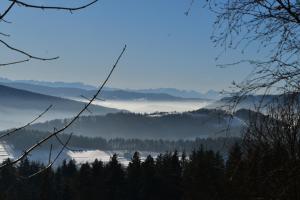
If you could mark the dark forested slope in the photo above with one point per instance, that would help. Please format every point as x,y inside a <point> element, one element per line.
<point>189,125</point>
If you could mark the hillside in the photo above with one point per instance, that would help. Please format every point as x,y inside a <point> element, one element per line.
<point>189,125</point>
<point>19,106</point>
<point>247,102</point>
<point>25,138</point>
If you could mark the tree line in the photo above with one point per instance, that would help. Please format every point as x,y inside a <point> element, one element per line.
<point>25,138</point>
<point>203,174</point>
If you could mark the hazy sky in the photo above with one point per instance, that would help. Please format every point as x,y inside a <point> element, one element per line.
<point>165,47</point>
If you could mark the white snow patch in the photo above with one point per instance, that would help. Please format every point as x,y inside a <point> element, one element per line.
<point>83,156</point>
<point>5,151</point>
<point>89,156</point>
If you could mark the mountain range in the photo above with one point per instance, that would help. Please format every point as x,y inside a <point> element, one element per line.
<point>55,84</point>
<point>76,89</point>
<point>210,94</point>
<point>107,94</point>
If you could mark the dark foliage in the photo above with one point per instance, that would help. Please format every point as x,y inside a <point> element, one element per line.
<point>25,138</point>
<point>201,175</point>
<point>171,126</point>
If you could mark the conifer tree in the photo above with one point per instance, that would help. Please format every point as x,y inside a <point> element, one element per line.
<point>85,181</point>
<point>114,179</point>
<point>134,177</point>
<point>149,183</point>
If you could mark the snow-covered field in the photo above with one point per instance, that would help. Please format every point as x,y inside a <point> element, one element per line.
<point>83,156</point>
<point>5,152</point>
<point>90,155</point>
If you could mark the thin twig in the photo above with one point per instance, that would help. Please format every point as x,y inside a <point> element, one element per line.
<point>27,54</point>
<point>51,163</point>
<point>26,125</point>
<point>21,3</point>
<point>13,63</point>
<point>8,9</point>
<point>67,147</point>
<point>30,149</point>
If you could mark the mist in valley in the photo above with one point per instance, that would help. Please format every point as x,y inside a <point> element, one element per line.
<point>147,106</point>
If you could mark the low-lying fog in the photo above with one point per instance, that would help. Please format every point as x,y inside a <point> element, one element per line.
<point>11,118</point>
<point>145,106</point>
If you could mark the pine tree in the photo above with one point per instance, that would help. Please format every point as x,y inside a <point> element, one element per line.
<point>47,191</point>
<point>69,182</point>
<point>134,177</point>
<point>114,179</point>
<point>235,177</point>
<point>149,187</point>
<point>85,181</point>
<point>203,176</point>
<point>98,176</point>
<point>168,172</point>
<point>8,180</point>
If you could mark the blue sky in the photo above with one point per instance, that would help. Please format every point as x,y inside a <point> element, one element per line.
<point>165,47</point>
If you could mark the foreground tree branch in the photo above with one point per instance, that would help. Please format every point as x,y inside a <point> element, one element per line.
<point>50,164</point>
<point>273,27</point>
<point>21,3</point>
<point>26,54</point>
<point>39,143</point>
<point>14,62</point>
<point>7,10</point>
<point>26,125</point>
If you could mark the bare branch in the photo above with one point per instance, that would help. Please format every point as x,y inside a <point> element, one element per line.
<point>27,54</point>
<point>50,152</point>
<point>4,34</point>
<point>272,26</point>
<point>8,9</point>
<point>26,125</point>
<point>12,63</point>
<point>51,162</point>
<point>5,21</point>
<point>30,149</point>
<point>89,99</point>
<point>67,147</point>
<point>21,3</point>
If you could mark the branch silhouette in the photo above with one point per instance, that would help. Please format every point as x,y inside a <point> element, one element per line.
<point>28,5</point>
<point>39,143</point>
<point>21,3</point>
<point>50,164</point>
<point>26,125</point>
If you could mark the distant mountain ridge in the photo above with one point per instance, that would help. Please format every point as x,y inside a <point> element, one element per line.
<point>21,99</point>
<point>55,84</point>
<point>78,87</point>
<point>109,94</point>
<point>211,94</point>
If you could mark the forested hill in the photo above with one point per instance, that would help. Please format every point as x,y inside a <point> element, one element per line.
<point>25,138</point>
<point>189,125</point>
